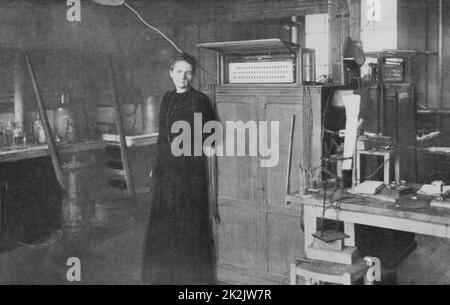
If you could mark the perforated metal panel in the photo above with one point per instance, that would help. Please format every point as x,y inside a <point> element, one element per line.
<point>261,72</point>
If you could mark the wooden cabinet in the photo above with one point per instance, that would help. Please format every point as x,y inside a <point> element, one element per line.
<point>259,234</point>
<point>260,82</point>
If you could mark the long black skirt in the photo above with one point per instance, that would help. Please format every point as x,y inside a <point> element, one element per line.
<point>179,245</point>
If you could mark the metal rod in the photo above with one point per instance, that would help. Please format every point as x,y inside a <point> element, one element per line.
<point>120,129</point>
<point>325,187</point>
<point>212,164</point>
<point>2,223</point>
<point>441,46</point>
<point>288,170</point>
<point>47,130</point>
<point>427,61</point>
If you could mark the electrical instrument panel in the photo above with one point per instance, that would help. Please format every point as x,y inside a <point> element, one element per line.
<point>265,61</point>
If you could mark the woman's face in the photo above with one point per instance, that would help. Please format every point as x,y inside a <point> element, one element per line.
<point>181,75</point>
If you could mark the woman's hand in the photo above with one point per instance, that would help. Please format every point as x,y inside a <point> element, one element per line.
<point>215,213</point>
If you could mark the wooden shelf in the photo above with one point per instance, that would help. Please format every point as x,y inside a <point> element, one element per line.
<point>139,140</point>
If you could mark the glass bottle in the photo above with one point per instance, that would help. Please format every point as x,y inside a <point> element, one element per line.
<point>62,118</point>
<point>70,133</point>
<point>40,133</point>
<point>18,134</point>
<point>9,132</point>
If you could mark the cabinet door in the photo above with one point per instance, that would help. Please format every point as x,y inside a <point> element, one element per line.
<point>238,193</point>
<point>283,237</point>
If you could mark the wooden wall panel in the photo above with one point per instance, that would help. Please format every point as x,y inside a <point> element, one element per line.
<point>237,243</point>
<point>446,57</point>
<point>237,174</point>
<point>284,242</point>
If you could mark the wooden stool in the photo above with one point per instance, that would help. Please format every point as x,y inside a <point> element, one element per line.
<point>317,272</point>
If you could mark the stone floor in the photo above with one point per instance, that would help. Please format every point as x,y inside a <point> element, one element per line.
<point>429,264</point>
<point>115,257</point>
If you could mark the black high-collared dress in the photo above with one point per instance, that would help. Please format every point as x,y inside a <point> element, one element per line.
<point>179,247</point>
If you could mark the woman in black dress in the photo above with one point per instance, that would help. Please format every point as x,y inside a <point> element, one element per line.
<point>179,247</point>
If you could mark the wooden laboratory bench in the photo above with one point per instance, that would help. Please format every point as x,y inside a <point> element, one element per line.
<point>21,152</point>
<point>361,204</point>
<point>407,217</point>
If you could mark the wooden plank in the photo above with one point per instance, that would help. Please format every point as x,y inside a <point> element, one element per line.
<point>331,273</point>
<point>345,257</point>
<point>81,146</point>
<point>48,132</point>
<point>122,140</point>
<point>349,229</point>
<point>310,223</point>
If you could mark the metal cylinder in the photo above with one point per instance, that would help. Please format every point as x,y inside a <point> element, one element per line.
<point>294,29</point>
<point>150,116</point>
<point>78,208</point>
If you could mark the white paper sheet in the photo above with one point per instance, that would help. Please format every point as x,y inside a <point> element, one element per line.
<point>352,105</point>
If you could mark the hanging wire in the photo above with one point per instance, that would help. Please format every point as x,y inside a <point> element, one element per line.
<point>164,36</point>
<point>152,27</point>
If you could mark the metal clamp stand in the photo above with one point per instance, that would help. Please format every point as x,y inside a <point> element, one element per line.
<point>328,236</point>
